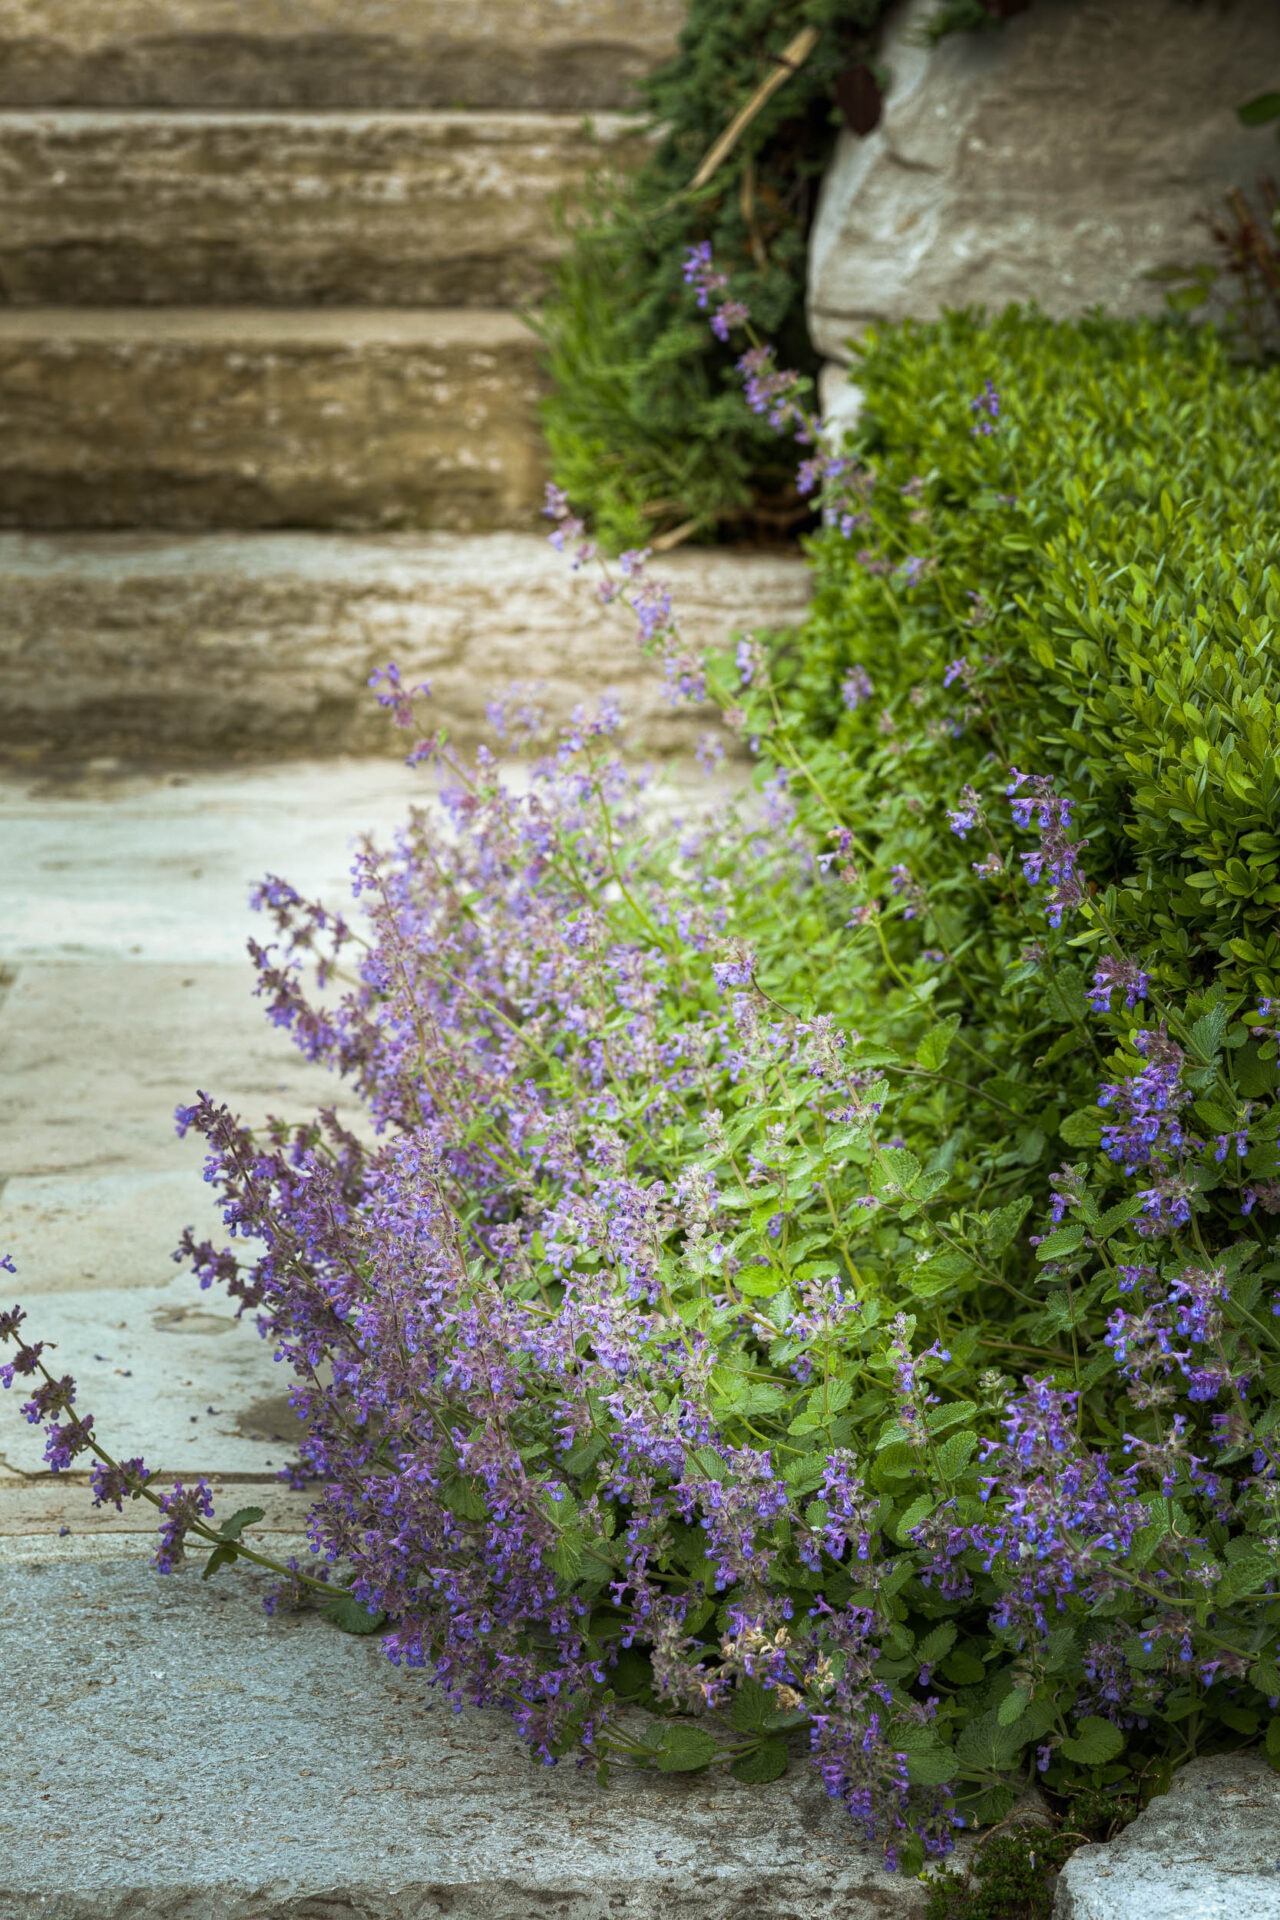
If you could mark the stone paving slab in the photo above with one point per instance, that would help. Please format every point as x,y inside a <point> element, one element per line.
<point>168,1373</point>
<point>326,53</point>
<point>123,916</point>
<point>1209,1849</point>
<point>172,1752</point>
<point>256,417</point>
<point>106,636</point>
<point>36,1515</point>
<point>291,209</point>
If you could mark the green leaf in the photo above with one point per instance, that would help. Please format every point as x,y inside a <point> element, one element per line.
<point>919,1510</point>
<point>244,1517</point>
<point>938,1641</point>
<point>932,1767</point>
<point>685,1749</point>
<point>939,1419</point>
<point>1115,1217</point>
<point>1060,1243</point>
<point>1207,1033</point>
<point>349,1616</point>
<point>761,1283</point>
<point>1082,1128</point>
<point>954,1453</point>
<point>987,1746</point>
<point>751,1703</point>
<point>1002,1225</point>
<point>1012,1707</point>
<point>220,1557</point>
<point>1095,1741</point>
<point>933,1049</point>
<point>1257,112</point>
<point>767,1762</point>
<point>1247,1575</point>
<point>894,1167</point>
<point>632,1675</point>
<point>935,1275</point>
<point>566,1559</point>
<point>1265,1676</point>
<point>963,1669</point>
<point>580,1458</point>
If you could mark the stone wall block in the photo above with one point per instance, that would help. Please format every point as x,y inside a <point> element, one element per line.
<point>1056,159</point>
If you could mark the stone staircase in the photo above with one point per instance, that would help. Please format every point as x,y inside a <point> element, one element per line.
<point>262,271</point>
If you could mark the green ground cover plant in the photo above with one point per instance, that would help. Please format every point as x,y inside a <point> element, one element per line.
<point>811,1270</point>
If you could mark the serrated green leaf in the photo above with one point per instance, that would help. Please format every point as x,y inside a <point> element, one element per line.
<point>566,1558</point>
<point>1094,1741</point>
<point>962,1668</point>
<point>347,1614</point>
<point>933,1049</point>
<point>579,1459</point>
<point>936,1643</point>
<point>1265,1676</point>
<point>767,1762</point>
<point>685,1749</point>
<point>985,1745</point>
<point>243,1517</point>
<point>749,1706</point>
<point>1116,1217</point>
<point>220,1557</point>
<point>919,1510</point>
<point>1012,1707</point>
<point>1057,1245</point>
<point>1004,1223</point>
<point>933,1767</point>
<point>954,1453</point>
<point>896,1168</point>
<point>1082,1128</point>
<point>1247,1575</point>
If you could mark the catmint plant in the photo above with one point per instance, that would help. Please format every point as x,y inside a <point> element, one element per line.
<point>688,1301</point>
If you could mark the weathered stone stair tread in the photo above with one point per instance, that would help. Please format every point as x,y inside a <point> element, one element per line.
<point>366,209</point>
<point>173,1754</point>
<point>328,53</point>
<point>105,636</point>
<point>187,417</point>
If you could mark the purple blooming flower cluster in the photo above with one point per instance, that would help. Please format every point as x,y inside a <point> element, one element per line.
<point>1056,858</point>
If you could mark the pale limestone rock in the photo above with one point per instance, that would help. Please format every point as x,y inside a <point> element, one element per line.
<point>241,417</point>
<point>291,209</point>
<point>154,646</point>
<point>1209,1849</point>
<point>329,53</point>
<point>1056,159</point>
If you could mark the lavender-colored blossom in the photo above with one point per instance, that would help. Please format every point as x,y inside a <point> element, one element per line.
<point>968,816</point>
<point>987,408</point>
<point>856,688</point>
<point>1056,858</point>
<point>1116,975</point>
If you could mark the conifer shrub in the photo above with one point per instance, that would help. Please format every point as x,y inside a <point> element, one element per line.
<point>809,1271</point>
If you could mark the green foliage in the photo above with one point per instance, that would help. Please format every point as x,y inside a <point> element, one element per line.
<point>646,425</point>
<point>1012,1878</point>
<point>1099,577</point>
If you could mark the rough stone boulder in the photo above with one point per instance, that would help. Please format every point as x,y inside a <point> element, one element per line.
<point>1209,1849</point>
<point>1057,159</point>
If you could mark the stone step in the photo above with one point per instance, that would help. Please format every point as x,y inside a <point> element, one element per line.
<point>174,1753</point>
<point>290,208</point>
<point>191,417</point>
<point>106,636</point>
<point>328,53</point>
